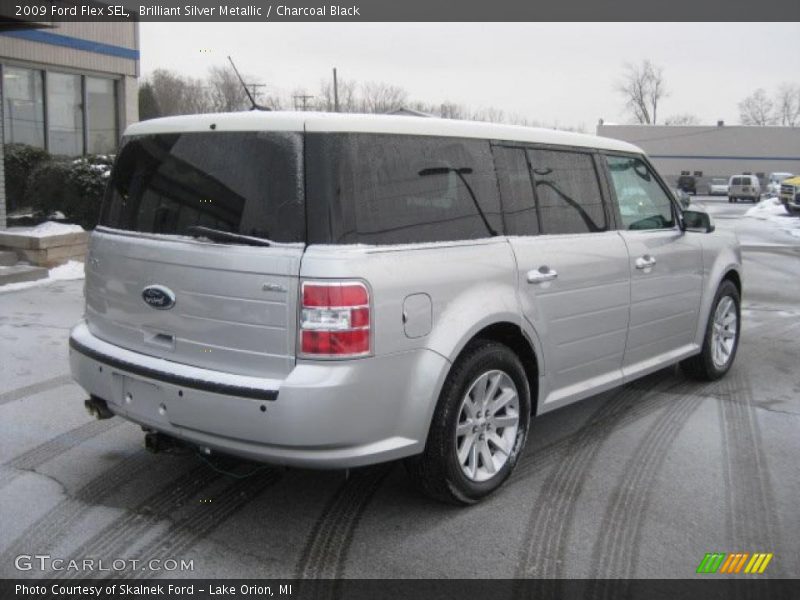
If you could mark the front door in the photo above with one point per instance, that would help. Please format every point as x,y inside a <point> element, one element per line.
<point>666,268</point>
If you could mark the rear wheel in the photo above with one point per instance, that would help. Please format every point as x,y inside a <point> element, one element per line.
<point>478,429</point>
<point>722,336</point>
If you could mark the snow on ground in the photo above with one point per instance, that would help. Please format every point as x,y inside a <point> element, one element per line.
<point>68,271</point>
<point>767,209</point>
<point>44,229</point>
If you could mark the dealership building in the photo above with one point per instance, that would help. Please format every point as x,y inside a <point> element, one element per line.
<point>713,151</point>
<point>69,88</point>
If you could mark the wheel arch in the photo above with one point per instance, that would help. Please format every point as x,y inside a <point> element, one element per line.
<point>734,277</point>
<point>512,335</point>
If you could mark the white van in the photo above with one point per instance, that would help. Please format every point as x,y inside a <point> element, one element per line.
<point>744,187</point>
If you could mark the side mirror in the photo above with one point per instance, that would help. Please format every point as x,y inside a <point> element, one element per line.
<point>696,220</point>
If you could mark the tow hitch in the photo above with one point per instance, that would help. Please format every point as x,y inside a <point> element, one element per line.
<point>97,408</point>
<point>156,442</point>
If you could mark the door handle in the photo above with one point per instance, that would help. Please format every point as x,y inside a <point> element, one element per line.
<point>645,262</point>
<point>542,274</point>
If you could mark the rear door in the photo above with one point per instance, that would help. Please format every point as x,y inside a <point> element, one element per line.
<point>666,267</point>
<point>573,273</point>
<point>158,286</point>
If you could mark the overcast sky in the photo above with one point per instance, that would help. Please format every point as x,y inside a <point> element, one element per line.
<point>555,73</point>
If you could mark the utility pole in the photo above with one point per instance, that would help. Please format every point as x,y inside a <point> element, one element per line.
<point>304,98</point>
<point>254,87</point>
<point>335,92</point>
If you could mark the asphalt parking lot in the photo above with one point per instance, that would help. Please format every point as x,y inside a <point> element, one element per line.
<point>640,481</point>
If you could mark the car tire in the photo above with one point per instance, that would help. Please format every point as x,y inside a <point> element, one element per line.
<point>721,340</point>
<point>463,461</point>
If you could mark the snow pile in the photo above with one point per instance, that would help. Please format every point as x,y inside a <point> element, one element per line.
<point>767,208</point>
<point>45,229</point>
<point>66,272</point>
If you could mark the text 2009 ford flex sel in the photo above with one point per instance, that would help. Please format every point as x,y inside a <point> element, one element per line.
<point>334,291</point>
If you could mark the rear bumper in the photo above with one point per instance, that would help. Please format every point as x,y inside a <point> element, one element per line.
<point>332,414</point>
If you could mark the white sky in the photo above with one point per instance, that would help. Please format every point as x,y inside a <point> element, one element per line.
<point>555,73</point>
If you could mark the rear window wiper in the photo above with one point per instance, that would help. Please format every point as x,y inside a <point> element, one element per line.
<point>218,235</point>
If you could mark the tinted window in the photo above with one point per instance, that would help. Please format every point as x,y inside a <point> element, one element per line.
<point>65,113</point>
<point>393,189</point>
<point>516,191</point>
<point>567,192</point>
<point>23,107</point>
<point>643,203</point>
<point>247,183</point>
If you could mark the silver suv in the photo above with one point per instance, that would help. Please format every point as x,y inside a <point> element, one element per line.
<point>333,290</point>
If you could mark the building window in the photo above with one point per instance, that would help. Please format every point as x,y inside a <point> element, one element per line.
<point>65,114</point>
<point>101,116</point>
<point>23,110</point>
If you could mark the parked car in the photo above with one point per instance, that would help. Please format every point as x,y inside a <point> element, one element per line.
<point>718,186</point>
<point>744,187</point>
<point>774,183</point>
<point>688,184</point>
<point>332,291</point>
<point>683,198</point>
<point>790,195</point>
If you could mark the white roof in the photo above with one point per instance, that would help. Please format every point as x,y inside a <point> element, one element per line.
<point>346,122</point>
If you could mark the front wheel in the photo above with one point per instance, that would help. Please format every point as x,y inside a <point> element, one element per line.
<point>722,336</point>
<point>478,429</point>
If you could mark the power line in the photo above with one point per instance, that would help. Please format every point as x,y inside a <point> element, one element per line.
<point>304,98</point>
<point>254,87</point>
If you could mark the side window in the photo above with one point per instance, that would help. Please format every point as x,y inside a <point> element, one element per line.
<point>397,189</point>
<point>567,192</point>
<point>516,191</point>
<point>643,203</point>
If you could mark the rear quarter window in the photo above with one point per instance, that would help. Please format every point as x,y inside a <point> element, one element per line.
<point>396,189</point>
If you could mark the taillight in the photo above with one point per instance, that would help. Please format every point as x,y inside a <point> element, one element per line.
<point>335,319</point>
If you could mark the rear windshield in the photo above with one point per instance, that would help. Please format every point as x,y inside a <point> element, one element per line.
<point>249,183</point>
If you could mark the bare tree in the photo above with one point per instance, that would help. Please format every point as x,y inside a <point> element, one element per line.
<point>682,119</point>
<point>490,114</point>
<point>226,93</point>
<point>643,88</point>
<point>378,97</point>
<point>787,105</point>
<point>452,110</point>
<point>757,109</point>
<point>178,95</point>
<point>148,105</point>
<point>348,100</point>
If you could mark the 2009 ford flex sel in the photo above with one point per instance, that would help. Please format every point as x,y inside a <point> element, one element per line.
<point>336,290</point>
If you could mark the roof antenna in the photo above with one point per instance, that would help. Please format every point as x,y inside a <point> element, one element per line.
<point>255,105</point>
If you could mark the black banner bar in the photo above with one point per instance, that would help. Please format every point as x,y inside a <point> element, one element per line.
<point>706,587</point>
<point>53,11</point>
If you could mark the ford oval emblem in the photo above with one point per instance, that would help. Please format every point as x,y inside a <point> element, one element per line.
<point>159,297</point>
